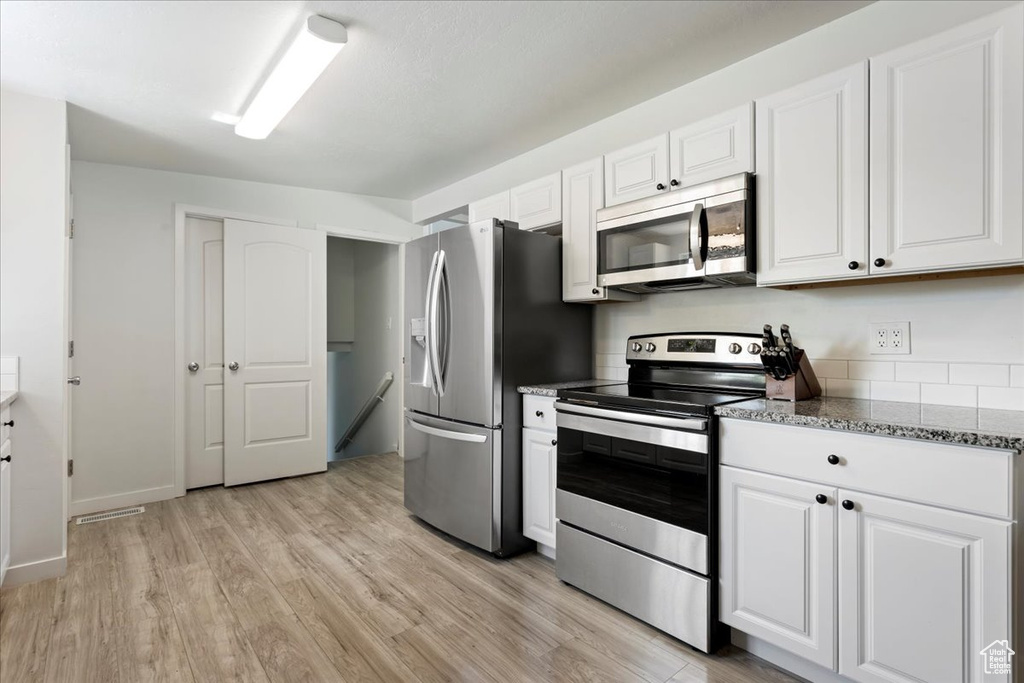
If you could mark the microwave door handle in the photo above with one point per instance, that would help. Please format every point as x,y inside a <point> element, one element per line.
<point>698,236</point>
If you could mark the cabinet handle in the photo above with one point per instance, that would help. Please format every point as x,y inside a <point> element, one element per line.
<point>540,413</point>
<point>833,459</point>
<point>853,265</point>
<point>674,182</point>
<point>554,442</point>
<point>9,423</point>
<point>821,498</point>
<point>879,262</point>
<point>6,458</point>
<point>660,186</point>
<point>848,504</point>
<point>595,291</point>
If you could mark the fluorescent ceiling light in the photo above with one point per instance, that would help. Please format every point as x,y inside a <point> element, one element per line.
<point>221,117</point>
<point>313,49</point>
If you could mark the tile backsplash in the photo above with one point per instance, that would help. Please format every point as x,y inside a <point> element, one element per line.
<point>8,373</point>
<point>975,385</point>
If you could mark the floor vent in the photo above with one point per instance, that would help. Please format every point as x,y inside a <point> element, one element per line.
<point>86,519</point>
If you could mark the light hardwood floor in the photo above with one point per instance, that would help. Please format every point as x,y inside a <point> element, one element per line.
<point>322,578</point>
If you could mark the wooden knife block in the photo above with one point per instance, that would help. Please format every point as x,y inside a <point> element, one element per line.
<point>800,386</point>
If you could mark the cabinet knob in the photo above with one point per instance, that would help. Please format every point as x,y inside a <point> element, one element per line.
<point>833,459</point>
<point>674,182</point>
<point>660,186</point>
<point>9,423</point>
<point>6,458</point>
<point>554,442</point>
<point>879,262</point>
<point>821,498</point>
<point>853,265</point>
<point>595,291</point>
<point>848,504</point>
<point>540,413</point>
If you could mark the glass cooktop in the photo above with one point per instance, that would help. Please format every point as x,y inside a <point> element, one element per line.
<point>653,397</point>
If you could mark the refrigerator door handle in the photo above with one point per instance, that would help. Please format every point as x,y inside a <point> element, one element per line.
<point>430,324</point>
<point>432,319</point>
<point>445,433</point>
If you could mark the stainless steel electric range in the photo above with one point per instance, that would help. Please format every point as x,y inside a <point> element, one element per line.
<point>637,479</point>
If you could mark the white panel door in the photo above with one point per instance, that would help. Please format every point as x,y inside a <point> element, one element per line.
<point>713,148</point>
<point>637,171</point>
<point>496,206</point>
<point>812,180</point>
<point>947,149</point>
<point>275,330</point>
<point>540,454</point>
<point>204,392</point>
<point>537,204</point>
<point>921,591</point>
<point>777,551</point>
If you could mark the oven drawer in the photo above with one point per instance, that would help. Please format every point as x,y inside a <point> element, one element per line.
<point>672,543</point>
<point>539,412</point>
<point>658,593</point>
<point>960,477</point>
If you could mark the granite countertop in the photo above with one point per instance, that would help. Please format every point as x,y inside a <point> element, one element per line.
<point>552,389</point>
<point>7,398</point>
<point>946,424</point>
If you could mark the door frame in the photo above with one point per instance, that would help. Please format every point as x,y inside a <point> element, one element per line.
<point>183,211</point>
<point>370,236</point>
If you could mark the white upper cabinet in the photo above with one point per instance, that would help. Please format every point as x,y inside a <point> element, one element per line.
<point>582,196</point>
<point>946,149</point>
<point>496,206</point>
<point>714,148</point>
<point>921,591</point>
<point>637,171</point>
<point>537,204</point>
<point>812,180</point>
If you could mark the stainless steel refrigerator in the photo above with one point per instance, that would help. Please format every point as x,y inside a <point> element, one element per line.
<point>483,315</point>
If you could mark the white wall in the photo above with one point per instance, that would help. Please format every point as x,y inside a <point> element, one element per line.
<point>857,36</point>
<point>377,348</point>
<point>33,205</point>
<point>341,302</point>
<point>123,284</point>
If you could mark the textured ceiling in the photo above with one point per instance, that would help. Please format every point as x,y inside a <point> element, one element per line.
<point>424,94</point>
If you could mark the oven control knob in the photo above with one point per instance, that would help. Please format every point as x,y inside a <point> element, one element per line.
<point>637,348</point>
<point>650,347</point>
<point>735,348</point>
<point>754,348</point>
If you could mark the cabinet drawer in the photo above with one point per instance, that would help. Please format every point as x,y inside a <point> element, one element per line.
<point>960,477</point>
<point>5,431</point>
<point>539,412</point>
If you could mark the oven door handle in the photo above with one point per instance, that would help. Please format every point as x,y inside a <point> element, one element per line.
<point>698,424</point>
<point>669,438</point>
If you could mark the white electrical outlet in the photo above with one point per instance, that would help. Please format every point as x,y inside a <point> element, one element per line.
<point>889,338</point>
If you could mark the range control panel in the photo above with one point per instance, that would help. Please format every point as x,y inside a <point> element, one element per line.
<point>727,348</point>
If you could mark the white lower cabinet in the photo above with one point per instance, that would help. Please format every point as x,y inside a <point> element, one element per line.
<point>540,456</point>
<point>777,562</point>
<point>876,588</point>
<point>921,591</point>
<point>540,453</point>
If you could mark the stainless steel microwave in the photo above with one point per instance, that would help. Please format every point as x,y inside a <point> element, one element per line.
<point>694,238</point>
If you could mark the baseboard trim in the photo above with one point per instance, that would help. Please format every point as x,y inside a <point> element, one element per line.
<point>35,571</point>
<point>104,503</point>
<point>546,550</point>
<point>798,666</point>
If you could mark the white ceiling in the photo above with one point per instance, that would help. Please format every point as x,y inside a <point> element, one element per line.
<point>425,93</point>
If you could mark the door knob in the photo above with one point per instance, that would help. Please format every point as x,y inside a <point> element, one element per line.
<point>76,380</point>
<point>232,366</point>
<point>193,367</point>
